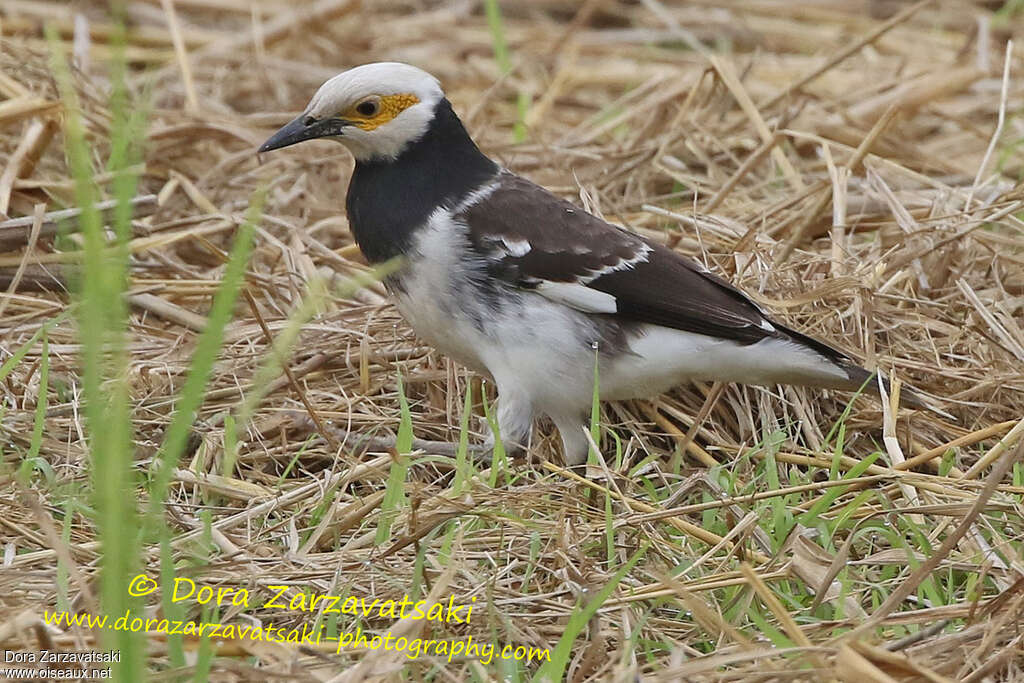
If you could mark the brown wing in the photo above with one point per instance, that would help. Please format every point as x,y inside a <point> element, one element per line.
<point>533,239</point>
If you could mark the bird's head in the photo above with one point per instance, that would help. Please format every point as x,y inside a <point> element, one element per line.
<point>375,110</point>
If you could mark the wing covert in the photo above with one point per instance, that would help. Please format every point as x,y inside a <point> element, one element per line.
<point>536,240</point>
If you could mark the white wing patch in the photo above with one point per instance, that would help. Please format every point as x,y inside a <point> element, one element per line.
<point>516,247</point>
<point>578,296</point>
<point>625,264</point>
<point>478,195</point>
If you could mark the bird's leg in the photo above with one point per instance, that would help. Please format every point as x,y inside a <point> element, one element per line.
<point>515,420</point>
<point>574,442</point>
<point>357,440</point>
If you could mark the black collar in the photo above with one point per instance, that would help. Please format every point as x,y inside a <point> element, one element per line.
<point>388,199</point>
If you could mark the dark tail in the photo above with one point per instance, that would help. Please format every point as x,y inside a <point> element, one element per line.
<point>860,379</point>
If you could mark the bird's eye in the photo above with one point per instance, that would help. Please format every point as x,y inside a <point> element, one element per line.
<point>308,121</point>
<point>367,107</point>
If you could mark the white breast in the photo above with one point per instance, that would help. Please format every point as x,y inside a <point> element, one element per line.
<point>518,337</point>
<point>425,297</point>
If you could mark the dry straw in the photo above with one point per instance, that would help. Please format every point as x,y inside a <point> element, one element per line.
<point>862,164</point>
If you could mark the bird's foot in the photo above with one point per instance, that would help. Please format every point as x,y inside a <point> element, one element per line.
<point>358,441</point>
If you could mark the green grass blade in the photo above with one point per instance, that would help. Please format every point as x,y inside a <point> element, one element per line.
<point>23,350</point>
<point>499,458</point>
<point>203,359</point>
<point>498,42</point>
<point>284,341</point>
<point>462,464</point>
<point>41,402</point>
<point>554,669</point>
<point>503,57</point>
<point>394,494</point>
<point>595,411</point>
<point>102,326</point>
<point>831,494</point>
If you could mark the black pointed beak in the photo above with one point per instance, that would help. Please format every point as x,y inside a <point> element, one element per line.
<point>303,128</point>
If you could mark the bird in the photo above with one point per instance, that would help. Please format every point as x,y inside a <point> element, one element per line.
<point>523,286</point>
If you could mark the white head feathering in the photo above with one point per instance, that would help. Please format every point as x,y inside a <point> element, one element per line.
<point>381,79</point>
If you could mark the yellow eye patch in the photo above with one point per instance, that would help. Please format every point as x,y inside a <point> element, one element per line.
<point>388,107</point>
